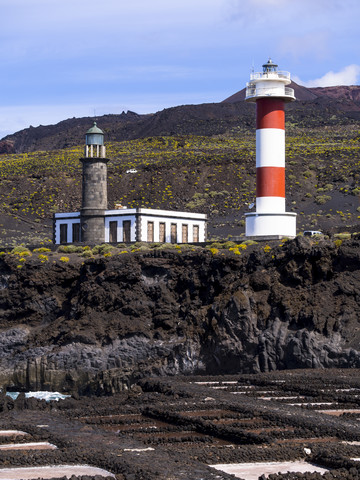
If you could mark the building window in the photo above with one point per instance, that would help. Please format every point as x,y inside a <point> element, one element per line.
<point>162,232</point>
<point>173,233</point>
<point>185,232</point>
<point>126,231</point>
<point>195,233</point>
<point>113,232</point>
<point>150,231</point>
<point>63,232</point>
<point>76,232</point>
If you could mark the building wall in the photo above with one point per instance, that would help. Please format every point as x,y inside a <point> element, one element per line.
<point>179,222</point>
<point>120,231</point>
<point>139,224</point>
<point>66,219</point>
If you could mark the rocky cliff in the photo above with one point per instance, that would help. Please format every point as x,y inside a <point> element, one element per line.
<point>99,325</point>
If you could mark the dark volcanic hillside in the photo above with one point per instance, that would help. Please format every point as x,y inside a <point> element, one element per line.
<point>207,119</point>
<point>101,324</point>
<point>315,107</point>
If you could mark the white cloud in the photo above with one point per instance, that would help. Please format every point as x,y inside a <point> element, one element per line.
<point>349,75</point>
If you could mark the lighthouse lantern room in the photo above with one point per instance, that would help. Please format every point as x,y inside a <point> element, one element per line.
<point>269,91</point>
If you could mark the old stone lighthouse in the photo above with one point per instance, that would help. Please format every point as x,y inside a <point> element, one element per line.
<point>94,188</point>
<point>94,224</point>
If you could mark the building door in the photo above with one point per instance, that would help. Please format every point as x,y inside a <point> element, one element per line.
<point>195,233</point>
<point>173,233</point>
<point>150,231</point>
<point>63,232</point>
<point>126,231</point>
<point>76,232</point>
<point>113,232</point>
<point>184,236</point>
<point>162,232</point>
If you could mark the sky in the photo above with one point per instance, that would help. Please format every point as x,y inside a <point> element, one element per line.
<point>76,58</point>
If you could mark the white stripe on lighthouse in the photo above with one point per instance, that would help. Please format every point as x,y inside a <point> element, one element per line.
<point>270,147</point>
<point>270,204</point>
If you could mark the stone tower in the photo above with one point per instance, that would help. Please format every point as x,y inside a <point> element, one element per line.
<point>94,188</point>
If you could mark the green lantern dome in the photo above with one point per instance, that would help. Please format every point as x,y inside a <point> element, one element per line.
<point>94,136</point>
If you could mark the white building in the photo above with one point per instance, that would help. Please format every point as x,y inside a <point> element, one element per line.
<point>136,225</point>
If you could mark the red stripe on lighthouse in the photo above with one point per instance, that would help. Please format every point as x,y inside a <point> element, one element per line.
<point>270,113</point>
<point>270,182</point>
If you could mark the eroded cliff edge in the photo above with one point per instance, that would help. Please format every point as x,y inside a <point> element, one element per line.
<point>101,324</point>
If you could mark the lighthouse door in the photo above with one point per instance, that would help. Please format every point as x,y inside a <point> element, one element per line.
<point>150,231</point>
<point>185,230</point>
<point>126,231</point>
<point>162,232</point>
<point>173,233</point>
<point>113,232</point>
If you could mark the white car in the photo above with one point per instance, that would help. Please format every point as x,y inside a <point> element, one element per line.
<point>312,233</point>
<point>132,170</point>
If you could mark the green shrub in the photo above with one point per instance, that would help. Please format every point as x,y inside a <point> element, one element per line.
<point>21,251</point>
<point>140,244</point>
<point>322,199</point>
<point>87,254</point>
<point>343,235</point>
<point>250,242</point>
<point>167,246</point>
<point>102,249</point>
<point>217,245</point>
<point>71,249</point>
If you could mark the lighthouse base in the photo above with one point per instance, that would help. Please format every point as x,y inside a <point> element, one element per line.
<point>277,225</point>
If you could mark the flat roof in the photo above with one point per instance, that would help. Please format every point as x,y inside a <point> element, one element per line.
<point>142,211</point>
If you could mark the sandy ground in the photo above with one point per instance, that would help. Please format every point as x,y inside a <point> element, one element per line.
<point>252,471</point>
<point>51,472</point>
<point>28,446</point>
<point>337,413</point>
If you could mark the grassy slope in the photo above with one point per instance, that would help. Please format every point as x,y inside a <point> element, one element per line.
<point>214,175</point>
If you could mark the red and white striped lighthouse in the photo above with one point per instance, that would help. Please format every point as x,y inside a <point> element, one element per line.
<point>268,90</point>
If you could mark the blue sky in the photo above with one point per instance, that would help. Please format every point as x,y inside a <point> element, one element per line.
<point>73,58</point>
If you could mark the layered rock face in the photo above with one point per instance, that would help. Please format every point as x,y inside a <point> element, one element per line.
<point>98,326</point>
